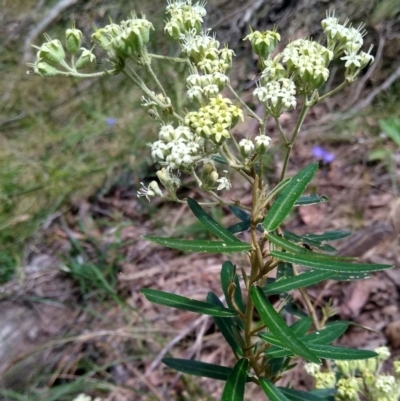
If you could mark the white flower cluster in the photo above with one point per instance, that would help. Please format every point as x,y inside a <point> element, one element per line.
<point>203,49</point>
<point>308,61</point>
<point>205,86</point>
<point>184,17</point>
<point>277,96</point>
<point>177,148</point>
<point>343,38</point>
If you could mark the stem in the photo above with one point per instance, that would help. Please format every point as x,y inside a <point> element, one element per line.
<point>296,130</point>
<point>278,124</point>
<point>154,76</point>
<point>309,305</point>
<point>250,111</point>
<point>332,92</point>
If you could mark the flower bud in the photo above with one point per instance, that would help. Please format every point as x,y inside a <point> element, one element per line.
<point>263,43</point>
<point>209,176</point>
<point>262,143</point>
<point>52,51</point>
<point>102,38</point>
<point>246,147</point>
<point>85,58</point>
<point>45,69</point>
<point>73,39</point>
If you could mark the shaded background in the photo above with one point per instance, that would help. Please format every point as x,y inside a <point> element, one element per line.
<point>72,154</point>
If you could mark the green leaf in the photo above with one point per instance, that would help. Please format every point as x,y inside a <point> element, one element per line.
<point>287,198</point>
<point>240,213</point>
<point>311,200</point>
<point>218,159</point>
<point>350,276</point>
<point>227,327</point>
<point>300,281</point>
<point>278,189</point>
<point>284,270</point>
<point>324,336</point>
<point>197,368</point>
<point>234,386</point>
<point>272,392</point>
<point>200,245</point>
<point>209,223</point>
<point>285,244</point>
<point>301,327</point>
<point>327,235</point>
<point>183,303</point>
<point>302,239</point>
<point>319,263</point>
<point>324,394</point>
<point>296,395</point>
<point>277,326</point>
<point>239,227</point>
<point>340,353</point>
<point>329,333</point>
<point>293,309</point>
<point>321,350</point>
<point>391,127</point>
<point>228,275</point>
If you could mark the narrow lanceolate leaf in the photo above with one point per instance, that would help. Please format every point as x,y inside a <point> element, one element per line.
<point>324,336</point>
<point>200,246</point>
<point>303,239</point>
<point>329,333</point>
<point>198,368</point>
<point>183,303</point>
<point>234,386</point>
<point>300,281</point>
<point>239,227</point>
<point>324,351</point>
<point>340,353</point>
<point>328,235</point>
<point>277,326</point>
<point>301,327</point>
<point>241,214</point>
<point>288,197</point>
<point>227,327</point>
<point>278,188</point>
<point>209,223</point>
<point>350,276</point>
<point>228,276</point>
<point>285,244</point>
<point>272,392</point>
<point>311,200</point>
<point>284,270</point>
<point>327,264</point>
<point>296,395</point>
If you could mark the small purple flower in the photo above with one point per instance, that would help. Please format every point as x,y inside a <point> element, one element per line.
<point>322,154</point>
<point>111,121</point>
